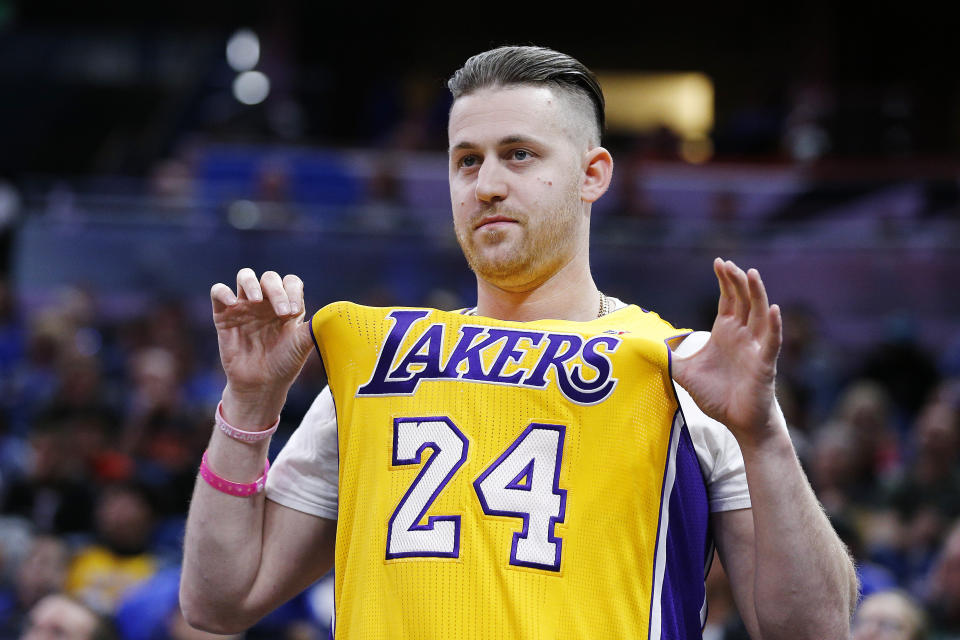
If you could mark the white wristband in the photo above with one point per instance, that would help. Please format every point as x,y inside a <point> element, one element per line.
<point>240,434</point>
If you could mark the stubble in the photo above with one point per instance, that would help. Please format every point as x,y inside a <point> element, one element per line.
<point>546,242</point>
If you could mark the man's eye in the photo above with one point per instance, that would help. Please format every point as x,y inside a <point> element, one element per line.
<point>468,161</point>
<point>520,154</point>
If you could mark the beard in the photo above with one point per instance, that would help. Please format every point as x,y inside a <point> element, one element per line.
<point>541,244</point>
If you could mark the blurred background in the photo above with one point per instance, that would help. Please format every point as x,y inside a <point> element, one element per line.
<point>147,152</point>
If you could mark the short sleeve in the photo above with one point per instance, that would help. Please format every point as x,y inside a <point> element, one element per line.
<point>305,474</point>
<point>717,450</point>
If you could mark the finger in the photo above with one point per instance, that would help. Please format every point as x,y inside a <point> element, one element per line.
<point>248,286</point>
<point>759,305</point>
<point>774,338</point>
<point>222,297</point>
<point>274,292</point>
<point>741,291</point>
<point>294,288</point>
<point>727,302</point>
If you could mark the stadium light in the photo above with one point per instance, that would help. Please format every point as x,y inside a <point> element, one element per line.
<point>251,87</point>
<point>243,50</point>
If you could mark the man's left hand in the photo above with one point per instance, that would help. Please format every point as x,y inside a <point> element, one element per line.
<point>731,378</point>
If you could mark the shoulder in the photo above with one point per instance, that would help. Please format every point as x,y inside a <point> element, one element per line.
<point>636,319</point>
<point>692,343</point>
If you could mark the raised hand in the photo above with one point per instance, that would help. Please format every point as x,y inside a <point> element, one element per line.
<point>732,377</point>
<point>264,343</point>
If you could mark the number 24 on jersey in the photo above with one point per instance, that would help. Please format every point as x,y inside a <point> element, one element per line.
<point>523,482</point>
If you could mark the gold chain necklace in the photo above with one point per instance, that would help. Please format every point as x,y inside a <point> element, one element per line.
<point>604,305</point>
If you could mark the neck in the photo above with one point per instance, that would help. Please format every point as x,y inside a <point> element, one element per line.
<point>569,294</point>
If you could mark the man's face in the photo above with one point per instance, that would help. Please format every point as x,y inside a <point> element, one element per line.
<point>516,170</point>
<point>885,616</point>
<point>58,618</point>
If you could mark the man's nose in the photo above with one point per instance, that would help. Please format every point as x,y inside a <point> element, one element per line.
<point>491,182</point>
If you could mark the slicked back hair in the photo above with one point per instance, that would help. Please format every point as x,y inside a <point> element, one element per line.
<point>528,65</point>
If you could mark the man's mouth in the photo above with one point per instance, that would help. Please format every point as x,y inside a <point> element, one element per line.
<point>491,220</point>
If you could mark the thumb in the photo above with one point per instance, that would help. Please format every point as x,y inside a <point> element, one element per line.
<point>683,354</point>
<point>679,368</point>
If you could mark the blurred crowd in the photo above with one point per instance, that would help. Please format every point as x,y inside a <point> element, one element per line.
<point>102,425</point>
<point>880,441</point>
<point>101,431</point>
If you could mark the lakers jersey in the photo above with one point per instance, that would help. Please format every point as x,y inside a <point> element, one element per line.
<point>510,480</point>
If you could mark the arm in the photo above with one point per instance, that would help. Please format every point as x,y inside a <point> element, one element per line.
<point>244,557</point>
<point>791,575</point>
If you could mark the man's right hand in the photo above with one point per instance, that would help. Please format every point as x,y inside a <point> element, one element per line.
<point>264,344</point>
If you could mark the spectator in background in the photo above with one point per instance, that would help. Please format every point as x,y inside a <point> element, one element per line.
<point>34,380</point>
<point>904,368</point>
<point>154,397</point>
<point>120,557</point>
<point>10,201</point>
<point>942,589</point>
<point>863,410</point>
<point>832,469</point>
<point>925,498</point>
<point>855,450</point>
<point>58,617</point>
<point>889,615</point>
<point>808,364</point>
<point>12,334</point>
<point>61,351</point>
<point>13,345</point>
<point>55,494</point>
<point>41,573</point>
<point>161,436</point>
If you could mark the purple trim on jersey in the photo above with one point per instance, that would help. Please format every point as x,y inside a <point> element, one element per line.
<point>561,433</point>
<point>670,359</point>
<point>333,613</point>
<point>313,336</point>
<point>663,487</point>
<point>683,592</point>
<point>397,462</point>
<point>518,483</point>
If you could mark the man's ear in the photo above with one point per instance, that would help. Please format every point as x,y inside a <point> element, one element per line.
<point>598,171</point>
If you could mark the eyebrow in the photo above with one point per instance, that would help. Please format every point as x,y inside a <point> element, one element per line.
<point>507,140</point>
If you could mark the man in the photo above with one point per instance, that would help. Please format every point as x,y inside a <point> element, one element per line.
<point>564,492</point>
<point>58,617</point>
<point>889,615</point>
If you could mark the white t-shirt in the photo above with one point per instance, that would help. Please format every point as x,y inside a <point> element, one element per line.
<point>305,474</point>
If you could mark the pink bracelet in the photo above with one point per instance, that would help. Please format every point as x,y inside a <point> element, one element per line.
<point>241,490</point>
<point>240,434</point>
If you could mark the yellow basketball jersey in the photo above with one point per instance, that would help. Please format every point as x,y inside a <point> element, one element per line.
<point>500,479</point>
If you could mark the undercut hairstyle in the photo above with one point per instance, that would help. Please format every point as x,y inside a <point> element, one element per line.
<point>533,66</point>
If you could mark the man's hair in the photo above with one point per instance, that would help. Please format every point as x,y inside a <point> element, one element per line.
<point>536,66</point>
